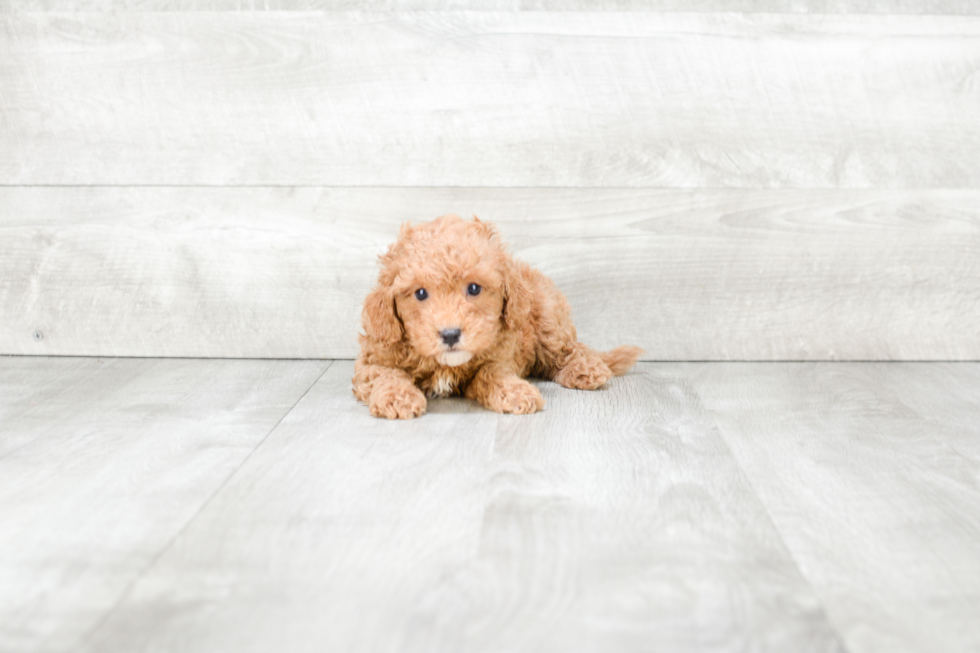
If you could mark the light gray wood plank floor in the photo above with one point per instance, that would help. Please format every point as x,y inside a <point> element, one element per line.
<point>103,462</point>
<point>203,505</point>
<point>871,472</point>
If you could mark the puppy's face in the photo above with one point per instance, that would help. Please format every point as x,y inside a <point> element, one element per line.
<point>449,290</point>
<point>451,320</point>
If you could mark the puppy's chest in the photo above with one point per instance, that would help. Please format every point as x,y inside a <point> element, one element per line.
<point>442,383</point>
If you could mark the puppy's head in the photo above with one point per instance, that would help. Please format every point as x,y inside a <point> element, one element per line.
<point>441,289</point>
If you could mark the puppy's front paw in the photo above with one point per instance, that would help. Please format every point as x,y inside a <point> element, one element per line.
<point>398,404</point>
<point>517,396</point>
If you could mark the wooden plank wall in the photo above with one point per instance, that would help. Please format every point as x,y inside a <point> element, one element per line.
<point>184,178</point>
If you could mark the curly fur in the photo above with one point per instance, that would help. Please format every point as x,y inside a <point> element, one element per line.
<point>518,325</point>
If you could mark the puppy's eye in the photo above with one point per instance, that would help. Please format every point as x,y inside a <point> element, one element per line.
<point>473,289</point>
<point>420,294</point>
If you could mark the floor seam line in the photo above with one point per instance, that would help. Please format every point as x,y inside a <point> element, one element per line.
<point>772,523</point>
<point>488,484</point>
<point>84,640</point>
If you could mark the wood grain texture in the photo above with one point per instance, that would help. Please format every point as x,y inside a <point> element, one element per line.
<point>103,462</point>
<point>615,520</point>
<point>870,474</point>
<point>950,7</point>
<point>618,521</point>
<point>326,540</point>
<point>689,507</point>
<point>687,275</point>
<point>561,99</point>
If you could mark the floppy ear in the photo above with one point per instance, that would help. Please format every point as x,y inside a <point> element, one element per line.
<point>517,296</point>
<point>380,321</point>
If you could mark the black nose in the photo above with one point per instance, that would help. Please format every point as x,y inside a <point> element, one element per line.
<point>450,336</point>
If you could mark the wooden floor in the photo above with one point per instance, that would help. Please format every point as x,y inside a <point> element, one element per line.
<point>245,505</point>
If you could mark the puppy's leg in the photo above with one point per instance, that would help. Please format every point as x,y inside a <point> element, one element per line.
<point>582,369</point>
<point>501,390</point>
<point>388,391</point>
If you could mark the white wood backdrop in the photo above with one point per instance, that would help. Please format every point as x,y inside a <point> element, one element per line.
<point>533,99</point>
<point>708,185</point>
<point>744,6</point>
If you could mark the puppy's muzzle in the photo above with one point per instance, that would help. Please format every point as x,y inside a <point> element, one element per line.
<point>450,336</point>
<point>453,357</point>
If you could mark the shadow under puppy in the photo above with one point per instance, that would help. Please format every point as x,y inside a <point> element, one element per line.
<point>454,314</point>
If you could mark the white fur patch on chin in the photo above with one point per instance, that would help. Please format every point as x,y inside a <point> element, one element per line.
<point>455,358</point>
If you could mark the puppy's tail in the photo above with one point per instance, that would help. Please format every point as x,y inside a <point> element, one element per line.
<point>621,359</point>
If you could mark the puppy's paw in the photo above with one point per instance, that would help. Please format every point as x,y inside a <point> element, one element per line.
<point>514,396</point>
<point>398,404</point>
<point>583,373</point>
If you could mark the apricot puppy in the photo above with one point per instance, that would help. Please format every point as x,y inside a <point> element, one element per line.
<point>454,314</point>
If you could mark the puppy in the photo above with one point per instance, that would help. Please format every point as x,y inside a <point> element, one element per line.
<point>454,314</point>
